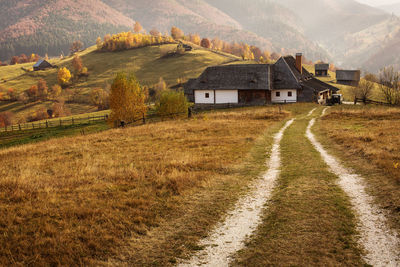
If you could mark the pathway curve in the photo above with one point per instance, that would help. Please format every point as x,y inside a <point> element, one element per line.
<point>229,236</point>
<point>380,243</point>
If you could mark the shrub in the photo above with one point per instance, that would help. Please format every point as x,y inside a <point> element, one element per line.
<point>172,102</point>
<point>56,91</point>
<point>100,98</point>
<point>38,115</point>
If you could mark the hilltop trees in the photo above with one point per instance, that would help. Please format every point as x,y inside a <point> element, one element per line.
<point>177,33</point>
<point>127,99</point>
<point>76,46</point>
<point>137,28</point>
<point>205,42</point>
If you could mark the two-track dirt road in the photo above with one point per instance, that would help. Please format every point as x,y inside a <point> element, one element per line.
<point>380,245</point>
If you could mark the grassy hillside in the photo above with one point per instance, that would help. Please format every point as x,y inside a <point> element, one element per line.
<point>147,64</point>
<point>104,194</point>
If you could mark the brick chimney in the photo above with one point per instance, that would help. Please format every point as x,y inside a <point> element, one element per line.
<point>299,62</point>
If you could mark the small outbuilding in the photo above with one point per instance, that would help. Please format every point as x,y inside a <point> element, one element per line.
<point>321,70</point>
<point>348,77</point>
<point>42,65</point>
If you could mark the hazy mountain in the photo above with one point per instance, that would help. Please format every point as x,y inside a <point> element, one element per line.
<point>345,32</point>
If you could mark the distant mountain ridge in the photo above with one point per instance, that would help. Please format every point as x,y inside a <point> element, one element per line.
<point>340,31</point>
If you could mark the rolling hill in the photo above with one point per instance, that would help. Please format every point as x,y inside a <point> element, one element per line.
<point>147,64</point>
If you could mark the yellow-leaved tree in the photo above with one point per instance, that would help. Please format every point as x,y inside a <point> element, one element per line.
<point>127,99</point>
<point>63,77</point>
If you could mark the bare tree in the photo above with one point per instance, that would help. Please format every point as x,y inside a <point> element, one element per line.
<point>389,83</point>
<point>364,90</point>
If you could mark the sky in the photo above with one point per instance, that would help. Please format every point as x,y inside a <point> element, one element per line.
<point>378,2</point>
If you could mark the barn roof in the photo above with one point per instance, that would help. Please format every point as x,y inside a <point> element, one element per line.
<point>348,75</point>
<point>322,66</point>
<point>40,61</point>
<point>319,85</point>
<point>235,77</point>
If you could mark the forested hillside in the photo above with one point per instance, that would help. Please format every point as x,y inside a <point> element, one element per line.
<point>46,26</point>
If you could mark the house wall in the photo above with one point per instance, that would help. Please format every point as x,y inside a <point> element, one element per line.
<point>226,96</point>
<point>284,96</point>
<point>200,96</point>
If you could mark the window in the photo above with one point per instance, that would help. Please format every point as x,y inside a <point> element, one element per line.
<point>289,94</point>
<point>278,94</point>
<point>207,95</point>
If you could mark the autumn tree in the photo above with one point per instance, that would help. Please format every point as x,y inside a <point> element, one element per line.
<point>42,89</point>
<point>155,33</point>
<point>76,46</point>
<point>217,44</point>
<point>275,56</point>
<point>77,64</point>
<point>6,118</point>
<point>127,99</point>
<point>12,94</point>
<point>99,43</point>
<point>100,98</point>
<point>63,76</point>
<point>205,42</point>
<point>195,38</point>
<point>33,93</point>
<point>56,91</point>
<point>172,103</point>
<point>176,33</point>
<point>137,28</point>
<point>14,60</point>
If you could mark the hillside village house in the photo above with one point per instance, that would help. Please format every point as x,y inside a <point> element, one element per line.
<point>321,70</point>
<point>286,81</point>
<point>348,77</point>
<point>42,65</point>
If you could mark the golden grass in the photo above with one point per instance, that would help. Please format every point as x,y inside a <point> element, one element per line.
<point>367,140</point>
<point>77,201</point>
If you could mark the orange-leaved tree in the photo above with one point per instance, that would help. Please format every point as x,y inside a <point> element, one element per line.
<point>127,99</point>
<point>137,27</point>
<point>77,64</point>
<point>176,33</point>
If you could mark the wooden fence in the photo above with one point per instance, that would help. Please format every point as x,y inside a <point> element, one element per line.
<point>369,101</point>
<point>54,123</point>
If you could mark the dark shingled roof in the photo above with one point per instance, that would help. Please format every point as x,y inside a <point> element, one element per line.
<point>282,75</point>
<point>348,75</point>
<point>235,77</point>
<point>40,61</point>
<point>322,66</point>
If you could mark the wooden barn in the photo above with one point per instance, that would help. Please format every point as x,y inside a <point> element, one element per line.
<point>42,65</point>
<point>321,70</point>
<point>286,81</point>
<point>348,77</point>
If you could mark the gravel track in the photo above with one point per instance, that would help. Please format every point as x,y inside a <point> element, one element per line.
<point>229,236</point>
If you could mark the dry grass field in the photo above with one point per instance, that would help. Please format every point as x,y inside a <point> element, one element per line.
<point>367,139</point>
<point>81,200</point>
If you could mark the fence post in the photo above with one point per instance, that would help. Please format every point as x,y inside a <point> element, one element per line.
<point>144,119</point>
<point>19,126</point>
<point>189,112</point>
<point>47,124</point>
<point>60,122</point>
<point>33,125</point>
<point>72,120</point>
